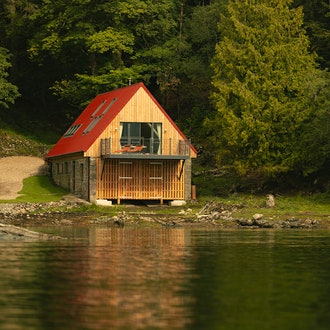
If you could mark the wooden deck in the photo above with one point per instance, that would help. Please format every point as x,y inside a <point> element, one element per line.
<point>170,149</point>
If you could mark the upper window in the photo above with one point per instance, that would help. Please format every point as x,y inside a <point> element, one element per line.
<point>148,135</point>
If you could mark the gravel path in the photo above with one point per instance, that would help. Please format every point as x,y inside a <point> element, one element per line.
<point>14,169</point>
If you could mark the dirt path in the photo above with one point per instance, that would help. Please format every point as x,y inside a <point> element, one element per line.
<point>14,169</point>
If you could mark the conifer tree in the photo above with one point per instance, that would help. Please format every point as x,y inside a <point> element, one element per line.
<point>265,85</point>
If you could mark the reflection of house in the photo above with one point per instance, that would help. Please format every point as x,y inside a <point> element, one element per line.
<point>124,146</point>
<point>147,294</point>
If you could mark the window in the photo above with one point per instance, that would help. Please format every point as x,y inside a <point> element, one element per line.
<point>81,171</point>
<point>95,119</point>
<point>66,167</point>
<point>72,130</point>
<point>92,124</point>
<point>109,106</point>
<point>59,168</point>
<point>148,135</point>
<point>98,108</point>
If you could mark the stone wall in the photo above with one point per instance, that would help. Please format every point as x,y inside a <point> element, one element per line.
<point>187,180</point>
<point>73,175</point>
<point>92,180</point>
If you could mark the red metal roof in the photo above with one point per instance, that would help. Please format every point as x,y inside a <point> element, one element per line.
<point>96,117</point>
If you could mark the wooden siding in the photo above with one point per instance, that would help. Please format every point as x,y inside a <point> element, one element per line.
<point>140,108</point>
<point>139,179</point>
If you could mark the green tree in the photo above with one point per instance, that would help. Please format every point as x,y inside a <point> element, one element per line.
<point>8,91</point>
<point>315,137</point>
<point>317,23</point>
<point>101,44</point>
<point>16,29</point>
<point>266,82</point>
<point>188,75</point>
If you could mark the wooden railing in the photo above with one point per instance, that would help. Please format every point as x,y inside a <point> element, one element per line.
<point>165,147</point>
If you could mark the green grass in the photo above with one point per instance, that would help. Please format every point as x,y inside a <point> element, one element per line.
<point>39,189</point>
<point>295,206</point>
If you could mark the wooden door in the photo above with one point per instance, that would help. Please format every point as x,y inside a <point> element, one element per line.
<point>125,179</point>
<point>155,174</point>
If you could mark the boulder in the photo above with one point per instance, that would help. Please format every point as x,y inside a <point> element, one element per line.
<point>270,200</point>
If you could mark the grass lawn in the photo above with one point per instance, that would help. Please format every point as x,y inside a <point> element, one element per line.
<point>38,189</point>
<point>291,206</point>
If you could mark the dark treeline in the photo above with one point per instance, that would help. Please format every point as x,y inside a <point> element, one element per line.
<point>248,82</point>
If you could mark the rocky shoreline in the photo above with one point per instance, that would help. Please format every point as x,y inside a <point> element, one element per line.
<point>212,215</point>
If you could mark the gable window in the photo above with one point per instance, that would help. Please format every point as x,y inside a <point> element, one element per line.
<point>148,135</point>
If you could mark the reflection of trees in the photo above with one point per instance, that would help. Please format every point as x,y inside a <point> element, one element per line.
<point>39,285</point>
<point>234,280</point>
<point>261,280</point>
<point>135,278</point>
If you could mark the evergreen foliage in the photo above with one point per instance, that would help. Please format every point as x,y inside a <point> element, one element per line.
<point>266,85</point>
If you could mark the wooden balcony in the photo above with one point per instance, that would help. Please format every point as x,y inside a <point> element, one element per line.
<point>141,148</point>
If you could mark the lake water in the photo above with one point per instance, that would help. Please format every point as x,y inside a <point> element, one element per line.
<point>103,278</point>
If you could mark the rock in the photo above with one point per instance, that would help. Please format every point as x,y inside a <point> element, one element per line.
<point>215,215</point>
<point>226,215</point>
<point>103,202</point>
<point>245,222</point>
<point>261,223</point>
<point>257,216</point>
<point>177,203</point>
<point>270,200</point>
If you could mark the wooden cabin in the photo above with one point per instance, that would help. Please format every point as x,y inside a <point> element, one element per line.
<point>124,146</point>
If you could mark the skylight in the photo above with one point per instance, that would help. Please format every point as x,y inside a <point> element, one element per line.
<point>92,125</point>
<point>98,108</point>
<point>109,106</point>
<point>72,130</point>
<point>95,119</point>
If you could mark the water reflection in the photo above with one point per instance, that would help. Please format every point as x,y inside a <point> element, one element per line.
<point>145,270</point>
<point>263,280</point>
<point>115,279</point>
<point>105,278</point>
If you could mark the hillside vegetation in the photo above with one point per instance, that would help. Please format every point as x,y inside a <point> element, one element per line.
<point>15,144</point>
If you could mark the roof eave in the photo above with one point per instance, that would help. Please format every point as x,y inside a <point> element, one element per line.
<point>65,155</point>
